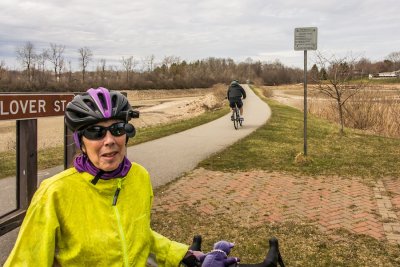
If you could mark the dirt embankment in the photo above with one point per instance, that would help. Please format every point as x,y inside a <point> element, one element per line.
<point>155,106</point>
<point>163,106</point>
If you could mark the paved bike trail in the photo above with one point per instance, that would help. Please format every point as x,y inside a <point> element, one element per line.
<point>170,157</point>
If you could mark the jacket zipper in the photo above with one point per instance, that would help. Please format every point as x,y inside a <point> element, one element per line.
<point>121,230</point>
<point>117,192</point>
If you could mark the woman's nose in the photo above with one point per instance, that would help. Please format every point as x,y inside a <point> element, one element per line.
<point>109,138</point>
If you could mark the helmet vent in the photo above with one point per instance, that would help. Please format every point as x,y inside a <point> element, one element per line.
<point>103,101</point>
<point>114,101</point>
<point>90,104</point>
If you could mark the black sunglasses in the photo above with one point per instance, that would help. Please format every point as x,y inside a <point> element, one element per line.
<point>98,132</point>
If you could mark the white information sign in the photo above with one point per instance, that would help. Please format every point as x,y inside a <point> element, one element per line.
<point>305,38</point>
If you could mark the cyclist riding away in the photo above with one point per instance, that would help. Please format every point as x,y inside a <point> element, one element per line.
<point>235,94</point>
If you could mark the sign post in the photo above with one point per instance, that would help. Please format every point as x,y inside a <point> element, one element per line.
<point>305,39</point>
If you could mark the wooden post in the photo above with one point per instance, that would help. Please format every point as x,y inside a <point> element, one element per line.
<point>26,161</point>
<point>69,147</point>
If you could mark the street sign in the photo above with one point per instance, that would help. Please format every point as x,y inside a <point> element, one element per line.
<point>29,106</point>
<point>305,38</point>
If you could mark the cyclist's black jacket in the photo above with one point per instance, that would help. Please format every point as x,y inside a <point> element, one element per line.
<point>235,91</point>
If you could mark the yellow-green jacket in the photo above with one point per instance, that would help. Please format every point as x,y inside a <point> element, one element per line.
<point>72,222</point>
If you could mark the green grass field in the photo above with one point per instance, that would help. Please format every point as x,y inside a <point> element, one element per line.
<point>275,146</point>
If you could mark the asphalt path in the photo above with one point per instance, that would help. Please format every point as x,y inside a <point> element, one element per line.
<point>170,157</point>
<point>166,158</point>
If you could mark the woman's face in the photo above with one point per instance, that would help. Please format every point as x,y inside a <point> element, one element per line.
<point>108,152</point>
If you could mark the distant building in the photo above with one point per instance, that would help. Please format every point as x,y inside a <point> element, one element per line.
<point>385,75</point>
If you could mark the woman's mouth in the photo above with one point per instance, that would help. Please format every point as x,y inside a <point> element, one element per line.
<point>109,155</point>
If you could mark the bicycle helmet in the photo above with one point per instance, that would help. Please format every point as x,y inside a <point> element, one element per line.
<point>98,105</point>
<point>234,82</point>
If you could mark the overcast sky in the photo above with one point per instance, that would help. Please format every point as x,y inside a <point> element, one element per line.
<point>198,29</point>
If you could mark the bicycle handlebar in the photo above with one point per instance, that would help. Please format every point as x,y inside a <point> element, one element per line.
<point>272,259</point>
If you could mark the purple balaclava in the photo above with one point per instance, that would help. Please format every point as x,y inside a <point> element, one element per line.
<point>83,164</point>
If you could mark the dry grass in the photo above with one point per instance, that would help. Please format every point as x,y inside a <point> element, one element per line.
<point>301,243</point>
<point>376,109</point>
<point>371,110</point>
<point>137,95</point>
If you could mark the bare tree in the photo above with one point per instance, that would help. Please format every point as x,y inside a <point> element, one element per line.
<point>2,69</point>
<point>41,60</point>
<point>169,60</point>
<point>41,66</point>
<point>115,73</point>
<point>61,67</point>
<point>27,56</point>
<point>55,56</point>
<point>69,71</point>
<point>364,67</point>
<point>85,57</point>
<point>337,84</point>
<point>102,69</point>
<point>128,64</point>
<point>394,57</point>
<point>149,62</point>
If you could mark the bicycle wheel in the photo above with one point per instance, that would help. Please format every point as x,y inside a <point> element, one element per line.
<point>236,118</point>
<point>239,120</point>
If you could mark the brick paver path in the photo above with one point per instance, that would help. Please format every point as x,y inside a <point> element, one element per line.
<point>260,197</point>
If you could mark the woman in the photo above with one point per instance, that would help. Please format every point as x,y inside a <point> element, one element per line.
<point>96,213</point>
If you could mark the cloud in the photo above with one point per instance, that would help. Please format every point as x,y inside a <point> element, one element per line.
<point>192,29</point>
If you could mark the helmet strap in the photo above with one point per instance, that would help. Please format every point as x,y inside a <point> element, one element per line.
<point>77,139</point>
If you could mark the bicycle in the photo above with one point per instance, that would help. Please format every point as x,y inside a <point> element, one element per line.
<point>237,120</point>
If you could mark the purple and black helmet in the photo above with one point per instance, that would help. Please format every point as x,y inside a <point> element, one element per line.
<point>98,105</point>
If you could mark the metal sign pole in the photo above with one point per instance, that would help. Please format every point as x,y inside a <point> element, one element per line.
<point>305,38</point>
<point>305,103</point>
